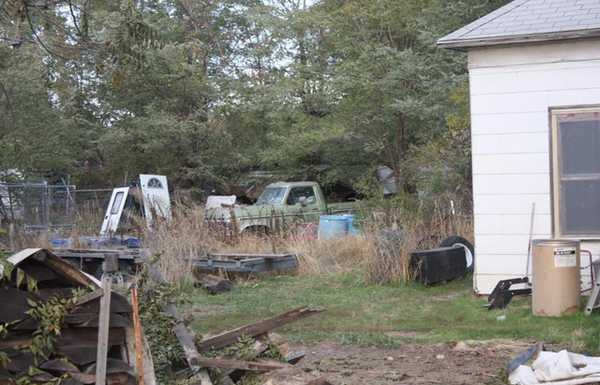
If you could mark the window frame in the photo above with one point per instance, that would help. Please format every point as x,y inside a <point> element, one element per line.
<point>555,168</point>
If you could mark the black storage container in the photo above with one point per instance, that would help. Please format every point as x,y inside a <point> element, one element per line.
<point>438,265</point>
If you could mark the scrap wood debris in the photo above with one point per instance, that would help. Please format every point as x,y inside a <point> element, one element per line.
<point>225,358</point>
<point>49,325</point>
<point>52,317</point>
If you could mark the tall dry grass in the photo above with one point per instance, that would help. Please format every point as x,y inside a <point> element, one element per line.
<point>396,232</point>
<point>173,245</point>
<point>381,251</point>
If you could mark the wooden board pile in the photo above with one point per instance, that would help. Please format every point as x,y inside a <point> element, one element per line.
<point>49,324</point>
<point>211,351</point>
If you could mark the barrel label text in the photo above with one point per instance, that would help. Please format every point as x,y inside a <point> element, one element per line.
<point>565,257</point>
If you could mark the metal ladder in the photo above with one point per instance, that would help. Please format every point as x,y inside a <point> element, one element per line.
<point>593,302</point>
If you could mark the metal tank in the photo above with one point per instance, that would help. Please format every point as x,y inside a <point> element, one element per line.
<point>556,277</point>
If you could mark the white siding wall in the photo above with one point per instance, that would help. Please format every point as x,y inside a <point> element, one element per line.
<point>512,89</point>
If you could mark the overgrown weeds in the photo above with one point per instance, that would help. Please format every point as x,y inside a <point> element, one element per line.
<point>388,234</point>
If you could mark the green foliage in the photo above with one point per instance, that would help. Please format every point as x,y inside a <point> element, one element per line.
<point>4,359</point>
<point>167,353</point>
<point>50,316</point>
<point>361,314</point>
<point>208,91</point>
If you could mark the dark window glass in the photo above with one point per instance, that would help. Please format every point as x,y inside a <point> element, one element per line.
<point>297,192</point>
<point>580,145</point>
<point>581,207</point>
<point>579,174</point>
<point>117,203</point>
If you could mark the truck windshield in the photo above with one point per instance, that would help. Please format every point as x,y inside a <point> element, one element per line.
<point>271,196</point>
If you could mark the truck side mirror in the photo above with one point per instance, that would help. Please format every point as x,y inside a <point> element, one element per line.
<point>303,202</point>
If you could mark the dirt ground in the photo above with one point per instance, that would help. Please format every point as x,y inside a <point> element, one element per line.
<point>461,363</point>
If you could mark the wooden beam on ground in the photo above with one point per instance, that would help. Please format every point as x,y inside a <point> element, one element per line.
<point>253,330</point>
<point>254,366</point>
<point>188,343</point>
<point>186,339</point>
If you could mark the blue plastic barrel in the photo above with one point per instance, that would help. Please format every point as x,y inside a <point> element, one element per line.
<point>352,229</point>
<point>334,226</point>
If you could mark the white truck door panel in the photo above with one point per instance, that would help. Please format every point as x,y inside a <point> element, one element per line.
<point>114,210</point>
<point>156,198</point>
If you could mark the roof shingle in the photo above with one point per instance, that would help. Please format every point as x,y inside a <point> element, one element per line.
<point>529,20</point>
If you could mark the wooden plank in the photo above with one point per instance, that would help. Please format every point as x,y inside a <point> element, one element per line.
<point>14,304</point>
<point>118,304</point>
<point>20,361</point>
<point>68,271</point>
<point>253,330</point>
<point>78,355</point>
<point>250,255</point>
<point>137,329</point>
<point>247,265</point>
<point>103,330</point>
<point>112,366</point>
<point>59,366</point>
<point>90,320</point>
<point>188,343</point>
<point>38,271</point>
<point>88,337</point>
<point>186,338</point>
<point>254,366</point>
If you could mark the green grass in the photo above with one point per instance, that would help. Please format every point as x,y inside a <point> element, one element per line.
<point>362,314</point>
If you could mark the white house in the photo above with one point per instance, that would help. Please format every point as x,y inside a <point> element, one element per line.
<point>534,70</point>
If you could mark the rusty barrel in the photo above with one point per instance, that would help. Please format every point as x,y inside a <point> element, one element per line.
<point>556,277</point>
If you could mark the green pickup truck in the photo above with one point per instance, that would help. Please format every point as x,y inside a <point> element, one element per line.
<point>287,202</point>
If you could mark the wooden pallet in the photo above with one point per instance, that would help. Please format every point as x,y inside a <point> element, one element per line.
<point>246,262</point>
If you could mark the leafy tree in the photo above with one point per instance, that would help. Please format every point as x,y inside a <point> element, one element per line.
<point>207,91</point>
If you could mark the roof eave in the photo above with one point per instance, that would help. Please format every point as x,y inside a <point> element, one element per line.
<point>517,39</point>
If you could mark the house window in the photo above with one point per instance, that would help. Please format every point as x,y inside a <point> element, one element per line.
<point>576,172</point>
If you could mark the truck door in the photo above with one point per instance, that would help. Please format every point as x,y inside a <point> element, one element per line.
<point>156,199</point>
<point>304,202</point>
<point>114,211</point>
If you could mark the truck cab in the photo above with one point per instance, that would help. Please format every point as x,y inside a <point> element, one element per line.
<point>288,202</point>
